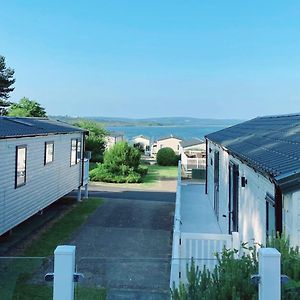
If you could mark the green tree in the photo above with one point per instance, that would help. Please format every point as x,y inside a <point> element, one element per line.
<point>95,142</point>
<point>26,108</point>
<point>6,81</point>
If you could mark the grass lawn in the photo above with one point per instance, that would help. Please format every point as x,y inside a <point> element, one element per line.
<point>62,229</point>
<point>17,285</point>
<point>156,173</point>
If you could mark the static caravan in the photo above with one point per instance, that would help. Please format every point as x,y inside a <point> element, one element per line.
<point>113,138</point>
<point>253,177</point>
<point>41,161</point>
<point>169,141</point>
<point>143,141</point>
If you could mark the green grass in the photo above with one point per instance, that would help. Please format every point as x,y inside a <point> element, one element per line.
<point>156,173</point>
<point>61,230</point>
<point>17,284</point>
<point>45,292</point>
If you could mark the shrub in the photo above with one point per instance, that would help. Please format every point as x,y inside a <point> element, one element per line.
<point>143,170</point>
<point>120,165</point>
<point>166,157</point>
<point>101,173</point>
<point>230,279</point>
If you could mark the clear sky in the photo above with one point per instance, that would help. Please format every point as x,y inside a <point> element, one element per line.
<point>210,59</point>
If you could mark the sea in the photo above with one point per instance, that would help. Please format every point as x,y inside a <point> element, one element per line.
<point>156,132</point>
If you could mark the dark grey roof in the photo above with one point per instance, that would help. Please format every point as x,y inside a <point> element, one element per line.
<point>269,144</point>
<point>169,137</point>
<point>191,142</point>
<point>12,127</point>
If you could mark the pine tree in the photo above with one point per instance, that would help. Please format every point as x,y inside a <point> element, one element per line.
<point>6,80</point>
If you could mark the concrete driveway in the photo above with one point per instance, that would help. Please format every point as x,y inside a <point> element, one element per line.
<point>125,245</point>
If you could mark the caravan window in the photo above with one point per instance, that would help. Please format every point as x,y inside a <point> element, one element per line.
<point>73,152</point>
<point>49,152</point>
<point>21,160</point>
<point>78,151</point>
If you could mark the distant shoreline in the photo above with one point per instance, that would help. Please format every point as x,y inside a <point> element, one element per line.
<point>167,126</point>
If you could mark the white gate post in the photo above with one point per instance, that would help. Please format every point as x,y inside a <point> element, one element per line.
<point>269,274</point>
<point>64,268</point>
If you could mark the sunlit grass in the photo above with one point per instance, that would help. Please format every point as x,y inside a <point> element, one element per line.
<point>156,173</point>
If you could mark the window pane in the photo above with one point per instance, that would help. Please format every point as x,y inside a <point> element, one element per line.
<point>21,166</point>
<point>78,151</point>
<point>73,152</point>
<point>271,221</point>
<point>49,152</point>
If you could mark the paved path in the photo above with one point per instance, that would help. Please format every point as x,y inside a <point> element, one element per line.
<point>125,245</point>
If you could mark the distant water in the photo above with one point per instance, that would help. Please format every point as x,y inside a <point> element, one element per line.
<point>155,132</point>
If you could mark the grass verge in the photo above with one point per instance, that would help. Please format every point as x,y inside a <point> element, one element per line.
<point>62,229</point>
<point>18,283</point>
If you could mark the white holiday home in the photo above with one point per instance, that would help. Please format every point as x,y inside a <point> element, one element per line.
<point>41,161</point>
<point>253,177</point>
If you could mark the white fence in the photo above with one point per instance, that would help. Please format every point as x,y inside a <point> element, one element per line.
<point>188,164</point>
<point>203,247</point>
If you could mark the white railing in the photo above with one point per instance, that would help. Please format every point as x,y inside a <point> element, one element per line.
<point>175,264</point>
<point>188,164</point>
<point>203,247</point>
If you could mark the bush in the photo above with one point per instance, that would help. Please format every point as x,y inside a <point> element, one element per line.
<point>166,157</point>
<point>101,173</point>
<point>120,165</point>
<point>143,170</point>
<point>230,279</point>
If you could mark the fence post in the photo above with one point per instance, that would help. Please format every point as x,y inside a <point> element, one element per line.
<point>269,274</point>
<point>64,268</point>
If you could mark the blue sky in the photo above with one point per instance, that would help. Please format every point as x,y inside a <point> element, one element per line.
<point>210,59</point>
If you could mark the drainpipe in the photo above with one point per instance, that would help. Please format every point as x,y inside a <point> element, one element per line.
<point>278,209</point>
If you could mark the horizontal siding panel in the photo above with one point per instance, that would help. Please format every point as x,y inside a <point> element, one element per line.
<point>44,184</point>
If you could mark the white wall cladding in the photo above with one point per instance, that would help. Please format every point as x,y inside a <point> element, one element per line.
<point>44,183</point>
<point>252,203</point>
<point>291,217</point>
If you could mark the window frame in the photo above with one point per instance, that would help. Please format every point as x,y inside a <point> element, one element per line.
<point>16,166</point>
<point>45,153</point>
<point>270,202</point>
<point>73,163</point>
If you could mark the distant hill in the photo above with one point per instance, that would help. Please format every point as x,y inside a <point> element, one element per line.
<point>162,121</point>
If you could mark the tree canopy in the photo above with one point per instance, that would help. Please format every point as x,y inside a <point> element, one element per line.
<point>6,81</point>
<point>95,142</point>
<point>26,108</point>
